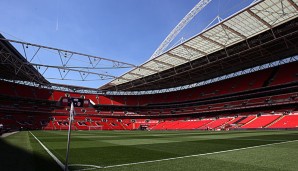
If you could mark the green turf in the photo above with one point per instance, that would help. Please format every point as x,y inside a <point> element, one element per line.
<point>111,148</point>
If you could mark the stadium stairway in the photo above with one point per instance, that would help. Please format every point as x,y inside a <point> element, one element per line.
<point>271,77</point>
<point>49,126</point>
<point>216,123</point>
<point>248,120</point>
<point>123,127</point>
<point>288,121</point>
<point>261,121</point>
<point>241,119</point>
<point>272,123</point>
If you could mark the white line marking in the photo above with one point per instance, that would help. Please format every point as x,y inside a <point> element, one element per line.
<point>253,140</point>
<point>150,161</point>
<point>86,169</point>
<point>8,134</point>
<point>49,152</point>
<point>86,165</point>
<point>196,155</point>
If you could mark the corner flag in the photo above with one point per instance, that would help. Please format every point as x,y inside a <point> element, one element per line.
<point>72,112</point>
<point>71,118</point>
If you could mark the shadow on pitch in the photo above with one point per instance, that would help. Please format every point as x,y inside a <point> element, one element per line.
<point>16,159</point>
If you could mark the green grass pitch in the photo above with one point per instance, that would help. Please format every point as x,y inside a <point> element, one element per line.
<point>153,150</point>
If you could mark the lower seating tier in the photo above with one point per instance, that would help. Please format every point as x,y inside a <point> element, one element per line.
<point>280,119</point>
<point>287,121</point>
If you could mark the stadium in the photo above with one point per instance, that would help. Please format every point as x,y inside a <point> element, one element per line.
<point>223,99</point>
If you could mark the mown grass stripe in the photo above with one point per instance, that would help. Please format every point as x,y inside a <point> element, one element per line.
<point>196,155</point>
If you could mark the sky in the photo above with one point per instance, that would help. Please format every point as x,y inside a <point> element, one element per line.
<point>124,30</point>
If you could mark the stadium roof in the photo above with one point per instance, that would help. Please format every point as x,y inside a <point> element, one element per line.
<point>14,66</point>
<point>263,32</point>
<point>251,21</point>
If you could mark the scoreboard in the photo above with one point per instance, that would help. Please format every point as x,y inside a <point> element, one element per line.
<point>77,102</point>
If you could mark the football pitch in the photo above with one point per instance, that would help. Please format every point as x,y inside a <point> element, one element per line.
<point>151,150</point>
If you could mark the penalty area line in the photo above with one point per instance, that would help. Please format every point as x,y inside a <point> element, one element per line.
<point>49,152</point>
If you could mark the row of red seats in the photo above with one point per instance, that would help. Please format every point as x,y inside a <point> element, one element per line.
<point>284,98</point>
<point>247,122</point>
<point>59,122</point>
<point>233,85</point>
<point>286,73</point>
<point>216,123</point>
<point>287,121</point>
<point>261,121</point>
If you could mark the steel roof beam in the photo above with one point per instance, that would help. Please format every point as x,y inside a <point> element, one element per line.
<point>194,49</point>
<point>70,69</point>
<point>212,41</point>
<point>67,51</point>
<point>122,78</point>
<point>293,4</point>
<point>176,56</point>
<point>16,61</point>
<point>233,31</point>
<point>163,63</point>
<point>135,74</point>
<point>148,69</point>
<point>259,18</point>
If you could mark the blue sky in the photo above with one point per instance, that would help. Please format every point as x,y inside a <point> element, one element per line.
<point>125,30</point>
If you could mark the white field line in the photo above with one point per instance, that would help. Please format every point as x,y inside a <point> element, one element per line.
<point>254,140</point>
<point>49,152</point>
<point>182,157</point>
<point>86,165</point>
<point>8,134</point>
<point>151,161</point>
<point>93,168</point>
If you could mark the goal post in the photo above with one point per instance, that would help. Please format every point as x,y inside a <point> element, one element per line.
<point>91,128</point>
